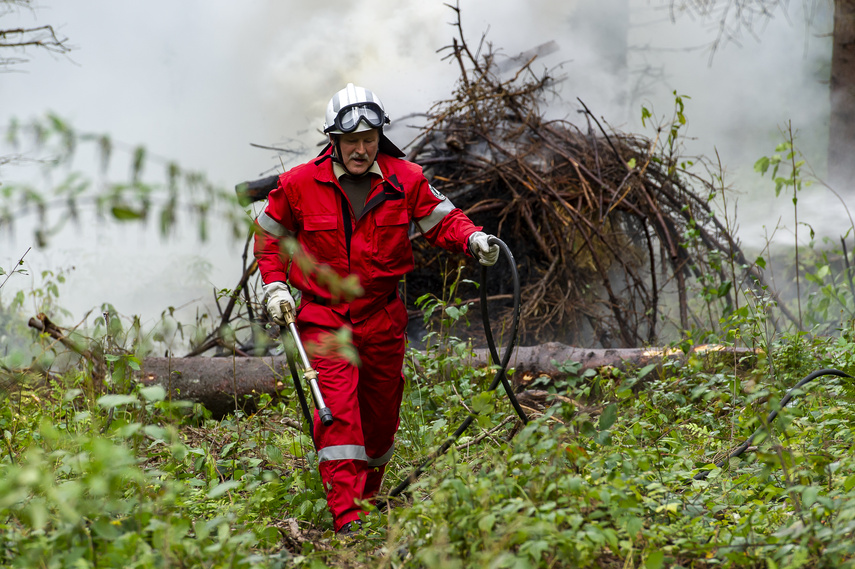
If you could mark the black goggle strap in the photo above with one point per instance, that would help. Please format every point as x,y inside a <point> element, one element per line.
<point>349,117</point>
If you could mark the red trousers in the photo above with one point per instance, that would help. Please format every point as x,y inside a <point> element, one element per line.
<point>365,401</point>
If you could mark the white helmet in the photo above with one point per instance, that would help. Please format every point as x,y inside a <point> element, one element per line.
<point>354,109</point>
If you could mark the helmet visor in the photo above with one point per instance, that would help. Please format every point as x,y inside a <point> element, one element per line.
<point>349,117</point>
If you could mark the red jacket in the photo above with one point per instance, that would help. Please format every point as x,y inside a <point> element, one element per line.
<point>310,205</point>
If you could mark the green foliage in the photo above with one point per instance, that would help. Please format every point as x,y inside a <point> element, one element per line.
<point>831,298</point>
<point>174,195</point>
<point>96,470</point>
<point>793,179</point>
<point>577,490</point>
<point>115,483</point>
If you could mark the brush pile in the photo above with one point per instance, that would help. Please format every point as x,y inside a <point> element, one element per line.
<point>611,240</point>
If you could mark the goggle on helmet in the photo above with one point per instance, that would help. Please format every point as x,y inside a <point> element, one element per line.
<point>354,109</point>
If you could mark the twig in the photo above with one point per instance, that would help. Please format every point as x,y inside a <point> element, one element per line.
<point>485,434</point>
<point>43,324</point>
<point>18,264</point>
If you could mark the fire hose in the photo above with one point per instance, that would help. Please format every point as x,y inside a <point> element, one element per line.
<point>501,372</point>
<point>792,392</point>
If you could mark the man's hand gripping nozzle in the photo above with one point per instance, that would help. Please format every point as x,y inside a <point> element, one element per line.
<point>309,374</point>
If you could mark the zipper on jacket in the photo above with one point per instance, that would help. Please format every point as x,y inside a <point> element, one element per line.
<point>348,224</point>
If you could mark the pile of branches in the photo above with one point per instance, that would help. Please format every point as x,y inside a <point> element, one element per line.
<point>611,240</point>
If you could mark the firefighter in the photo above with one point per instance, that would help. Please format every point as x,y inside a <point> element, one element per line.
<point>350,209</point>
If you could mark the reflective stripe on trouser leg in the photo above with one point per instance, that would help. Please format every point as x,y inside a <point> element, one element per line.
<point>376,467</point>
<point>342,452</point>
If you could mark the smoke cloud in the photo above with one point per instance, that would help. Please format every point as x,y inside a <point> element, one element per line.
<point>198,81</point>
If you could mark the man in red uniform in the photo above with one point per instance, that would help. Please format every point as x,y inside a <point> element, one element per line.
<point>350,209</point>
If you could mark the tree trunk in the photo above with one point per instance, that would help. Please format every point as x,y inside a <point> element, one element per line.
<point>221,384</point>
<point>841,135</point>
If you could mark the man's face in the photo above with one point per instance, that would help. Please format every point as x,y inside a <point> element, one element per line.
<point>359,150</point>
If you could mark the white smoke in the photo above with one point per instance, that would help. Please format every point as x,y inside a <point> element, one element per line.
<point>198,81</point>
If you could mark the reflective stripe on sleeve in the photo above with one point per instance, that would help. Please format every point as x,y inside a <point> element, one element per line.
<point>272,226</point>
<point>342,452</point>
<point>442,209</point>
<point>379,461</point>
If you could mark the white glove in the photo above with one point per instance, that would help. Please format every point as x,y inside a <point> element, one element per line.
<point>487,254</point>
<point>274,294</point>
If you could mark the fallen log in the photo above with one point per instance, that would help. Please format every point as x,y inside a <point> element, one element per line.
<point>544,357</point>
<point>221,384</point>
<point>224,384</point>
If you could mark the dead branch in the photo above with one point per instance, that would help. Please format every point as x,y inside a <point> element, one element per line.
<point>44,325</point>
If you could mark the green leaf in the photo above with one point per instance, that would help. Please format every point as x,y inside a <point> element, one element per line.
<point>813,278</point>
<point>123,213</point>
<point>156,432</point>
<point>645,114</point>
<point>296,448</point>
<point>809,495</point>
<point>656,560</point>
<point>139,160</point>
<point>634,524</point>
<point>483,402</point>
<point>608,417</point>
<point>227,449</point>
<point>646,369</point>
<point>153,393</point>
<point>128,430</point>
<point>72,394</point>
<point>221,489</point>
<point>486,523</point>
<point>116,400</point>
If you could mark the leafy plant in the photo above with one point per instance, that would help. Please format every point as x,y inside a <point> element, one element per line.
<point>176,193</point>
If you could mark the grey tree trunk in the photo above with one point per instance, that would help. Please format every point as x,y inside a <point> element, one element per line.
<point>841,136</point>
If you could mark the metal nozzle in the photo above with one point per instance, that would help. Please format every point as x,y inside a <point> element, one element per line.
<point>288,313</point>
